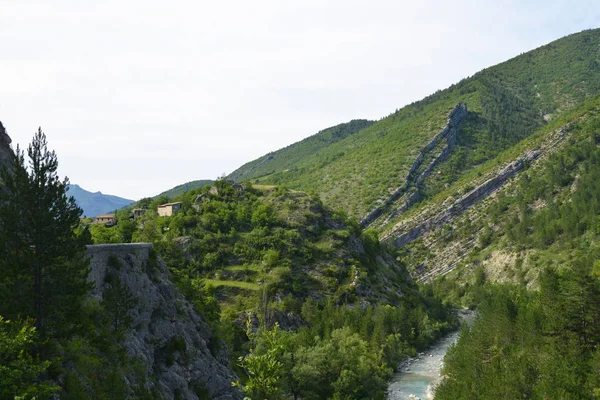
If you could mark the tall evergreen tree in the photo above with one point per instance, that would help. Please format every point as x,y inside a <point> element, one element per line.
<point>43,270</point>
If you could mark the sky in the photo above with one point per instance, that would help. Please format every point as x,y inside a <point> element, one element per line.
<point>136,97</point>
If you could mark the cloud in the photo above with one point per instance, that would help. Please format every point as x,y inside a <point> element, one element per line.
<point>138,96</point>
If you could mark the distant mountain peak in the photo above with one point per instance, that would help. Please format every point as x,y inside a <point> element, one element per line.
<point>96,203</point>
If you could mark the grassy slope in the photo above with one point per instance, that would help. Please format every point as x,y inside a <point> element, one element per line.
<point>283,241</point>
<point>507,102</point>
<point>287,157</point>
<point>546,217</point>
<point>185,187</point>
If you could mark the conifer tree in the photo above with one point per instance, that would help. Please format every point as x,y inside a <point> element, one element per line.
<point>43,270</point>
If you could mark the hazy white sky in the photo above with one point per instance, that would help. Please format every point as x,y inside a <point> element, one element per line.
<point>139,96</point>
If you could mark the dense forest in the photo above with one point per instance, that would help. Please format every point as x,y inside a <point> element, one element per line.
<point>531,344</point>
<point>265,256</point>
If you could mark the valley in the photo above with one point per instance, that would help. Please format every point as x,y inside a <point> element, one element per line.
<point>338,267</point>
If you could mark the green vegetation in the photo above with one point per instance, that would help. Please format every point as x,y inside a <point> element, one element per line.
<point>507,103</point>
<point>185,187</point>
<point>527,344</point>
<point>19,370</point>
<point>537,336</point>
<point>275,255</point>
<point>54,340</point>
<point>342,353</point>
<point>43,273</point>
<point>295,153</point>
<point>543,218</point>
<point>237,240</point>
<point>330,312</point>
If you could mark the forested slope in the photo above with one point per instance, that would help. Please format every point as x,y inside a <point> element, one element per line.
<point>537,219</point>
<point>506,103</point>
<point>528,258</point>
<point>273,256</point>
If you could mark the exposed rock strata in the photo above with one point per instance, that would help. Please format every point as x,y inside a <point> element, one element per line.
<point>480,192</point>
<point>162,317</point>
<point>449,132</point>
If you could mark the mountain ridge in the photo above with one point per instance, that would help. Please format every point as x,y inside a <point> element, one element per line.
<point>96,203</point>
<point>507,103</point>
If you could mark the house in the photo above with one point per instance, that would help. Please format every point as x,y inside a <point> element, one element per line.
<point>168,209</point>
<point>106,219</point>
<point>138,212</point>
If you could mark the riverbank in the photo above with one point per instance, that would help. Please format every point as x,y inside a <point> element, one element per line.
<point>417,376</point>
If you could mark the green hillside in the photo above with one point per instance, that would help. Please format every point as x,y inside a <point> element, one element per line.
<point>506,103</point>
<point>487,196</point>
<point>289,156</point>
<point>539,232</point>
<point>271,255</point>
<point>243,238</point>
<point>184,187</point>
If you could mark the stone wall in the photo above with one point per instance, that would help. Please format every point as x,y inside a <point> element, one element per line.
<point>162,317</point>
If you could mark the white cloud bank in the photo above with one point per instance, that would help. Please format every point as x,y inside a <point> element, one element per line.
<point>139,96</point>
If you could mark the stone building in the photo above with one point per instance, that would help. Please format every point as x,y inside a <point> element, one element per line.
<point>106,219</point>
<point>168,209</point>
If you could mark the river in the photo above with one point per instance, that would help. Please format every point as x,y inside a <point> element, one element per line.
<point>418,376</point>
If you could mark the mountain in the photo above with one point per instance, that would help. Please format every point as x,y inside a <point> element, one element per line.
<point>484,195</point>
<point>185,187</point>
<point>291,155</point>
<point>96,203</point>
<point>506,104</point>
<point>528,257</point>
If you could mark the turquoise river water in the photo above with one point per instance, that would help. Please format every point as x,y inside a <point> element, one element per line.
<point>417,377</point>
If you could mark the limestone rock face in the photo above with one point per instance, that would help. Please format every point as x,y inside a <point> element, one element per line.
<point>5,150</point>
<point>466,201</point>
<point>448,133</point>
<point>177,347</point>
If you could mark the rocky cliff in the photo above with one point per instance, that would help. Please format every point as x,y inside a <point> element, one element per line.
<point>181,356</point>
<point>443,257</point>
<point>480,192</point>
<point>5,149</point>
<point>414,178</point>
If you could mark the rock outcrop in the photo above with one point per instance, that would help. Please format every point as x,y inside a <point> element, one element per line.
<point>449,133</point>
<point>5,150</point>
<point>177,348</point>
<point>460,205</point>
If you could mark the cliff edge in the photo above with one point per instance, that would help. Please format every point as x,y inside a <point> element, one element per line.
<point>182,357</point>
<point>5,149</point>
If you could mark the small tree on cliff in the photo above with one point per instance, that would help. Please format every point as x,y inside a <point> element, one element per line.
<point>43,271</point>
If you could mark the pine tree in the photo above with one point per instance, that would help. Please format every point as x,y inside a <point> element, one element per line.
<point>43,270</point>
